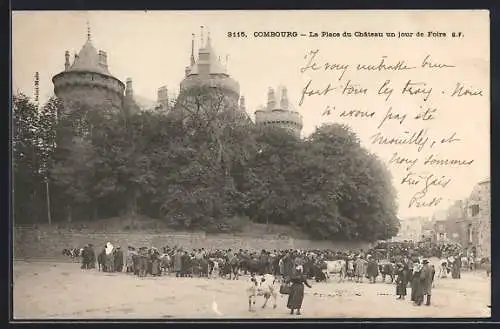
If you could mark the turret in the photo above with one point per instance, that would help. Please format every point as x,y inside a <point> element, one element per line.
<point>279,116</point>
<point>207,70</point>
<point>87,80</point>
<point>162,98</point>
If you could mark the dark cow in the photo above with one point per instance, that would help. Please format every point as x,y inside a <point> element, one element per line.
<point>387,269</point>
<point>72,252</point>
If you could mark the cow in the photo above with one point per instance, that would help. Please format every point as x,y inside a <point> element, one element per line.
<point>72,252</point>
<point>165,263</point>
<point>214,268</point>
<point>338,266</point>
<point>387,269</point>
<point>486,264</point>
<point>251,265</point>
<point>262,285</point>
<point>465,263</point>
<point>444,268</point>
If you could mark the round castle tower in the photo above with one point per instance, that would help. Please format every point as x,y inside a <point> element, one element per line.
<point>88,79</point>
<point>279,112</point>
<point>208,71</point>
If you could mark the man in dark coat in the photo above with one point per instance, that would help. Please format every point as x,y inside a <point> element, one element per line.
<point>178,263</point>
<point>85,258</point>
<point>118,259</point>
<point>427,276</point>
<point>91,256</point>
<point>372,269</point>
<point>185,265</point>
<point>416,285</point>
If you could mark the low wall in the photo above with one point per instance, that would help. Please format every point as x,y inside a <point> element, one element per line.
<point>38,243</point>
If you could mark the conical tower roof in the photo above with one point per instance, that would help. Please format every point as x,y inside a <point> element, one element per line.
<point>206,55</point>
<point>88,59</point>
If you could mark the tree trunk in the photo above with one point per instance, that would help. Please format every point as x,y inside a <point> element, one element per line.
<point>69,214</point>
<point>132,206</point>
<point>49,214</point>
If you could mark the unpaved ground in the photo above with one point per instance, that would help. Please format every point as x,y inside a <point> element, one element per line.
<point>43,290</point>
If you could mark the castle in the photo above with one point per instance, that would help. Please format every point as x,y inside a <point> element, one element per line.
<point>88,80</point>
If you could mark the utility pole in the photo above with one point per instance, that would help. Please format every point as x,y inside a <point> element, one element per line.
<point>46,178</point>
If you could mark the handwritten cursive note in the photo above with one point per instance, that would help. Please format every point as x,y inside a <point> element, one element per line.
<point>417,109</point>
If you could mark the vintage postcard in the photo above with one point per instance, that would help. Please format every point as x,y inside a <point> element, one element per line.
<point>251,164</point>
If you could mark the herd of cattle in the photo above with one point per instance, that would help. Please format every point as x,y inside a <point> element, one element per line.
<point>321,266</point>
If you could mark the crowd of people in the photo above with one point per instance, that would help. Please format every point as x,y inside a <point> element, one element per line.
<point>403,262</point>
<point>419,249</point>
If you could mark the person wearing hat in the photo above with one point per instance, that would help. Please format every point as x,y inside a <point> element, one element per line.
<point>417,294</point>
<point>296,295</point>
<point>85,258</point>
<point>118,254</point>
<point>359,268</point>
<point>371,269</point>
<point>401,281</point>
<point>130,259</point>
<point>91,255</point>
<point>427,276</point>
<point>110,259</point>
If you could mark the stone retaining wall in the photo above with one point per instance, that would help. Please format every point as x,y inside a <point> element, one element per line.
<point>37,243</point>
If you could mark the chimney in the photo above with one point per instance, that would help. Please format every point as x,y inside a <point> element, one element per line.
<point>271,101</point>
<point>242,104</point>
<point>103,59</point>
<point>129,91</point>
<point>66,60</point>
<point>100,61</point>
<point>284,99</point>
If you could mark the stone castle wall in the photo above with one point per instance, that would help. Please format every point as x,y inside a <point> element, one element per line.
<point>36,243</point>
<point>89,88</point>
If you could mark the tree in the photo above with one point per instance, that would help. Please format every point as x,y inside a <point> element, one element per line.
<point>26,160</point>
<point>204,165</point>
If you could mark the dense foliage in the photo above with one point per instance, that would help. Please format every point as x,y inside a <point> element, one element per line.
<point>201,167</point>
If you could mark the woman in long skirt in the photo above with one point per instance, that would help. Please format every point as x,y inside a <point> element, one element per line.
<point>417,290</point>
<point>296,295</point>
<point>401,281</point>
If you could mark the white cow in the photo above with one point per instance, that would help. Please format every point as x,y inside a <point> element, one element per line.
<point>338,266</point>
<point>165,262</point>
<point>443,268</point>
<point>215,268</point>
<point>262,285</point>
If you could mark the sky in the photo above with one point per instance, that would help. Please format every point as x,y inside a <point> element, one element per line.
<point>153,49</point>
